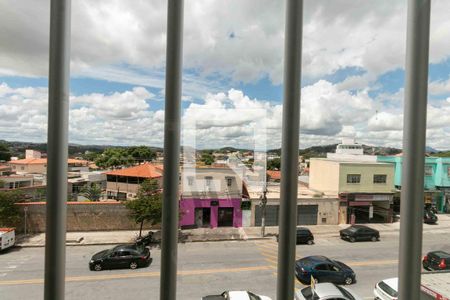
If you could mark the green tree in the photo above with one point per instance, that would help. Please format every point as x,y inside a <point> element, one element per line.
<point>93,192</point>
<point>148,204</point>
<point>9,212</point>
<point>114,157</point>
<point>207,158</point>
<point>90,155</point>
<point>141,153</point>
<point>274,164</point>
<point>5,153</point>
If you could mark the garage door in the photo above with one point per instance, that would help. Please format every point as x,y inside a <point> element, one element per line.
<point>271,215</point>
<point>307,214</point>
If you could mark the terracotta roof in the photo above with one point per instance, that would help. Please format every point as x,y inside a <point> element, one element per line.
<point>43,161</point>
<point>5,167</point>
<point>146,170</point>
<point>275,175</point>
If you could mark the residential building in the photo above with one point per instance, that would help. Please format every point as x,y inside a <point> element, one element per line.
<point>436,179</point>
<point>30,154</point>
<point>5,170</point>
<point>313,207</point>
<point>365,189</point>
<point>78,180</point>
<point>16,181</point>
<point>211,197</point>
<point>123,184</point>
<point>39,165</point>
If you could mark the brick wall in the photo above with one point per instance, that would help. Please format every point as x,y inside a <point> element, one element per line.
<point>81,216</point>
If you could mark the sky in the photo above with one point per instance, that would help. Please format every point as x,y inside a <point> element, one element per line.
<point>352,72</point>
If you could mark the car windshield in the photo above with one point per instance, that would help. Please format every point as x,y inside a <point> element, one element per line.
<point>352,229</point>
<point>253,296</point>
<point>387,289</point>
<point>345,293</point>
<point>308,294</point>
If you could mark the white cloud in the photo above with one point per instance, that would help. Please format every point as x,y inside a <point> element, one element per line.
<point>241,40</point>
<point>441,87</point>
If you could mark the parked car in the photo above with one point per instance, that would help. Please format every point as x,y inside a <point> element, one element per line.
<point>386,289</point>
<point>323,291</point>
<point>429,217</point>
<point>236,295</point>
<point>323,269</point>
<point>304,236</point>
<point>436,260</point>
<point>121,257</point>
<point>359,233</point>
<point>7,238</point>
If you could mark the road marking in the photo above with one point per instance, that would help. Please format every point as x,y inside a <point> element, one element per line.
<point>136,275</point>
<point>372,262</point>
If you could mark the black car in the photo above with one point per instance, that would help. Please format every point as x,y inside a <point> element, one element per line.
<point>436,260</point>
<point>121,257</point>
<point>304,236</point>
<point>323,269</point>
<point>429,217</point>
<point>359,233</point>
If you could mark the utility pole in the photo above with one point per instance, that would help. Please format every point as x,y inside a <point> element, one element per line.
<point>263,204</point>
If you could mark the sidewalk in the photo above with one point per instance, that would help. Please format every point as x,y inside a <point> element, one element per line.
<point>207,234</point>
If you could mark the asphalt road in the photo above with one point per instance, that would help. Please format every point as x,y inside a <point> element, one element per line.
<point>204,268</point>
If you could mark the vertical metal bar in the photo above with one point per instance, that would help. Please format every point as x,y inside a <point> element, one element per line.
<point>171,150</point>
<point>289,149</point>
<point>58,116</point>
<point>414,135</point>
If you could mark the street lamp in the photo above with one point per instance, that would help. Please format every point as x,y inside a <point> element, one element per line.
<point>262,204</point>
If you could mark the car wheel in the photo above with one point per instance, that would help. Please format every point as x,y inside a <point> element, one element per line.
<point>133,265</point>
<point>97,267</point>
<point>348,280</point>
<point>374,239</point>
<point>310,242</point>
<point>352,239</point>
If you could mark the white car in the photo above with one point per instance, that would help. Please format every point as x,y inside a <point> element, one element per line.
<point>236,295</point>
<point>7,238</point>
<point>324,291</point>
<point>386,289</point>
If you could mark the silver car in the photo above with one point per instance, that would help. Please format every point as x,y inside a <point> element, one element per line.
<point>323,291</point>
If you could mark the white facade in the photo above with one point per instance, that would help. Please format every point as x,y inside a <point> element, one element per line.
<point>29,153</point>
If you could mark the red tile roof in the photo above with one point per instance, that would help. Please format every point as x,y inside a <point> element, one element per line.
<point>43,161</point>
<point>146,170</point>
<point>274,175</point>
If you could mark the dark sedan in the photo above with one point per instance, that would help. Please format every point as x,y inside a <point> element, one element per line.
<point>359,233</point>
<point>436,260</point>
<point>304,236</point>
<point>323,269</point>
<point>121,257</point>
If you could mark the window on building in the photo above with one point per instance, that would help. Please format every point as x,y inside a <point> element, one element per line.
<point>428,171</point>
<point>353,178</point>
<point>208,180</point>
<point>229,181</point>
<point>377,178</point>
<point>22,168</point>
<point>190,180</point>
<point>448,171</point>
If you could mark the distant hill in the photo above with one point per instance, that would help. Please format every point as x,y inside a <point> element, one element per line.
<point>321,151</point>
<point>18,148</point>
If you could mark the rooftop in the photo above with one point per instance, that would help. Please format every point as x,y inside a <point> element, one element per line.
<point>43,161</point>
<point>146,170</point>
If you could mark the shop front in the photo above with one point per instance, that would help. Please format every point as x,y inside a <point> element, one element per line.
<point>210,213</point>
<point>368,208</point>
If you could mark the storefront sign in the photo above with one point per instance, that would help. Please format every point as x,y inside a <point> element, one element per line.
<point>359,203</point>
<point>373,197</point>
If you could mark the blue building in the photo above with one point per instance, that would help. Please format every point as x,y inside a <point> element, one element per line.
<point>436,180</point>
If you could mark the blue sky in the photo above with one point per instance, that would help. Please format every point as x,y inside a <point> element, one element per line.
<point>352,76</point>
